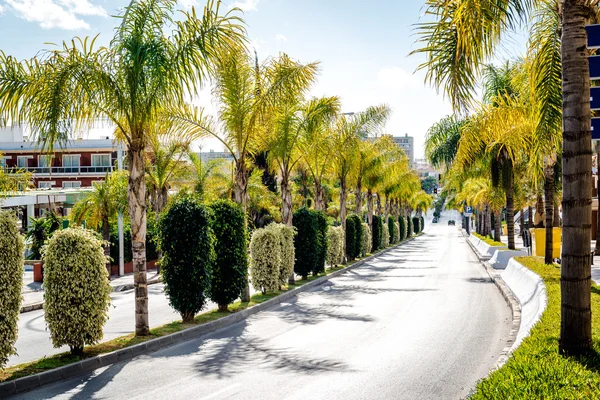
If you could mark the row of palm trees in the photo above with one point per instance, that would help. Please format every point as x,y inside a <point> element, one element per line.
<point>141,81</point>
<point>534,121</point>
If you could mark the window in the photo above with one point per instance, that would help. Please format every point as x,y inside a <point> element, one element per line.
<point>70,161</point>
<point>100,160</point>
<point>44,161</point>
<point>22,161</point>
<point>45,185</point>
<point>71,184</point>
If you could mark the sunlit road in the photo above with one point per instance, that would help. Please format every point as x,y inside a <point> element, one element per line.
<point>420,322</point>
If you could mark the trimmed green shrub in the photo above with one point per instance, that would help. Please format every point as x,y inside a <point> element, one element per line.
<point>367,240</point>
<point>350,238</point>
<point>12,248</point>
<point>422,224</point>
<point>230,271</point>
<point>416,225</point>
<point>390,224</point>
<point>41,230</point>
<point>265,259</point>
<point>396,232</point>
<point>403,227</point>
<point>77,289</point>
<point>385,237</point>
<point>409,227</point>
<point>376,232</point>
<point>287,252</point>
<point>357,235</point>
<point>322,227</point>
<point>335,246</point>
<point>306,242</point>
<point>187,241</point>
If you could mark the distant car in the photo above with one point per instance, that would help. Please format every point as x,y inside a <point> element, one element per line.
<point>451,222</point>
<point>435,220</point>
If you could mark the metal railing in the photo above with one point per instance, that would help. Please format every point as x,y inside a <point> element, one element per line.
<point>81,170</point>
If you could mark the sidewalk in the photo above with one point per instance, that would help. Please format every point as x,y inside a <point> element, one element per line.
<point>33,292</point>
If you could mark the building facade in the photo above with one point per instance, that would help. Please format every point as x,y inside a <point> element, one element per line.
<point>407,143</point>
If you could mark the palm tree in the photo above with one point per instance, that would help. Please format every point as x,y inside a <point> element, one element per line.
<point>441,143</point>
<point>199,173</point>
<point>131,82</point>
<point>456,44</point>
<point>98,206</point>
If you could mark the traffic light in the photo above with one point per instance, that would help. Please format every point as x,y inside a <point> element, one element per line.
<point>435,191</point>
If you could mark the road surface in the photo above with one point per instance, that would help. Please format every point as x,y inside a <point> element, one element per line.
<point>421,322</point>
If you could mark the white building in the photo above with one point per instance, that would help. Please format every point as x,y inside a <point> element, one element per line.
<point>408,145</point>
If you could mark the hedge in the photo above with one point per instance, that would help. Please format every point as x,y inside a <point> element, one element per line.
<point>187,241</point>
<point>322,227</point>
<point>377,233</point>
<point>12,248</point>
<point>409,226</point>
<point>403,228</point>
<point>350,238</point>
<point>390,224</point>
<point>306,242</point>
<point>396,232</point>
<point>77,289</point>
<point>367,240</point>
<point>422,223</point>
<point>385,237</point>
<point>335,246</point>
<point>416,224</point>
<point>265,259</point>
<point>230,271</point>
<point>286,250</point>
<point>358,234</point>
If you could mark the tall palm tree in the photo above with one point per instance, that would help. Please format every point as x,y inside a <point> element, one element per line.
<point>441,143</point>
<point>131,82</point>
<point>456,44</point>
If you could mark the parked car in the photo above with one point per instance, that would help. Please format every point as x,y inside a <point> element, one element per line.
<point>451,222</point>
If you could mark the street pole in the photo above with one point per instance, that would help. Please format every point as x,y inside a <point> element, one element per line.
<point>120,221</point>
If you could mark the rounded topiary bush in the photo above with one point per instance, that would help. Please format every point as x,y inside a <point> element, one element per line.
<point>306,242</point>
<point>77,289</point>
<point>385,237</point>
<point>335,246</point>
<point>265,259</point>
<point>286,250</point>
<point>367,240</point>
<point>322,228</point>
<point>187,241</point>
<point>358,234</point>
<point>376,232</point>
<point>409,227</point>
<point>350,238</point>
<point>396,232</point>
<point>402,223</point>
<point>230,270</point>
<point>390,224</point>
<point>416,225</point>
<point>12,248</point>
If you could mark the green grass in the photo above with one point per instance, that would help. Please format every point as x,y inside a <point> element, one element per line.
<point>488,240</point>
<point>536,370</point>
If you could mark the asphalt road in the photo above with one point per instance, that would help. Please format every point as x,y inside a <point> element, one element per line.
<point>420,322</point>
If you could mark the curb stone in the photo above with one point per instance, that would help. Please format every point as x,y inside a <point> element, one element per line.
<point>121,288</point>
<point>31,382</point>
<point>510,299</point>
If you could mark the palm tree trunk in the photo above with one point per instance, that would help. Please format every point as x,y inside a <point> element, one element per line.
<point>510,208</point>
<point>522,222</point>
<point>106,238</point>
<point>530,222</point>
<point>539,209</point>
<point>497,226</point>
<point>240,195</point>
<point>387,209</point>
<point>137,213</point>
<point>379,205</point>
<point>343,212</point>
<point>575,280</point>
<point>549,203</point>
<point>358,196</point>
<point>286,199</point>
<point>488,220</point>
<point>319,196</point>
<point>556,215</point>
<point>370,208</point>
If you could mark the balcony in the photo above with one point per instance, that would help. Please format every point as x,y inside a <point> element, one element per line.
<point>64,171</point>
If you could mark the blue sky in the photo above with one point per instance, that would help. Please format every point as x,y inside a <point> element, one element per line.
<point>362,46</point>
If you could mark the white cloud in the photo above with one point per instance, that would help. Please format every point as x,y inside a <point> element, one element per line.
<point>395,78</point>
<point>246,5</point>
<point>188,3</point>
<point>280,38</point>
<point>1,9</point>
<point>61,14</point>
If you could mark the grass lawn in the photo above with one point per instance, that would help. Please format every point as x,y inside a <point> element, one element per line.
<point>488,240</point>
<point>536,370</point>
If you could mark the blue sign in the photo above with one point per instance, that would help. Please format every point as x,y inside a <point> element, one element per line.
<point>593,36</point>
<point>594,63</point>
<point>596,128</point>
<point>595,98</point>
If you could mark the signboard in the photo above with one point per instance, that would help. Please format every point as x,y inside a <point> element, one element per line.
<point>595,98</point>
<point>469,210</point>
<point>593,36</point>
<point>594,63</point>
<point>596,128</point>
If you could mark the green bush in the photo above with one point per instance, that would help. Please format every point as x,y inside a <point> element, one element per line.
<point>403,227</point>
<point>77,289</point>
<point>335,246</point>
<point>367,240</point>
<point>322,228</point>
<point>12,248</point>
<point>41,230</point>
<point>409,226</point>
<point>416,225</point>
<point>390,224</point>
<point>396,232</point>
<point>358,234</point>
<point>152,233</point>
<point>265,259</point>
<point>152,226</point>
<point>306,242</point>
<point>287,252</point>
<point>422,224</point>
<point>385,237</point>
<point>350,238</point>
<point>377,233</point>
<point>187,241</point>
<point>230,271</point>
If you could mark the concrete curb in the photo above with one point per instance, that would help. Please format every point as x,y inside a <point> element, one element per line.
<point>510,299</point>
<point>31,382</point>
<point>120,288</point>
